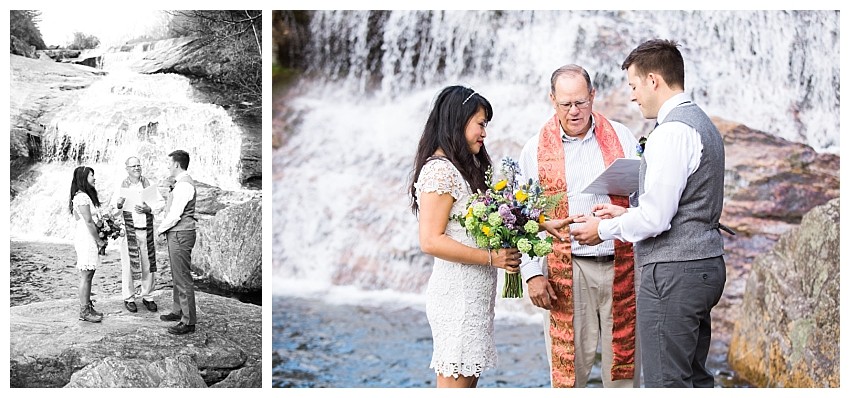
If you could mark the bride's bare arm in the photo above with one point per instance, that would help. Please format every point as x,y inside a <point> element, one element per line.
<point>434,211</point>
<point>85,212</point>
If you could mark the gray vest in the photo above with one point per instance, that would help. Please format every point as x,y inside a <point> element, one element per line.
<point>693,232</point>
<point>187,218</point>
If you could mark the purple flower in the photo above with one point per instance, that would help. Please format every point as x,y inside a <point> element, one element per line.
<point>507,216</point>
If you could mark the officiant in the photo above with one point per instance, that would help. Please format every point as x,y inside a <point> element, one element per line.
<point>588,290</point>
<point>138,199</point>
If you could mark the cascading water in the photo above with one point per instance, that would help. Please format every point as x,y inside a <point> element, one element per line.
<point>124,114</point>
<point>341,212</point>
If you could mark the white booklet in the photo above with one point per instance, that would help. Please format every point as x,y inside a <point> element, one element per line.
<point>133,197</point>
<point>620,178</point>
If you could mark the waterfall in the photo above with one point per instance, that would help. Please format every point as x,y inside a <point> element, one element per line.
<point>124,114</point>
<point>341,212</point>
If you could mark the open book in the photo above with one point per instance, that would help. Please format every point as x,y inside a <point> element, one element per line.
<point>620,178</point>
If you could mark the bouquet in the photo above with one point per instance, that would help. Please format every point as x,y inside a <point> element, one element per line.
<point>110,225</point>
<point>508,214</point>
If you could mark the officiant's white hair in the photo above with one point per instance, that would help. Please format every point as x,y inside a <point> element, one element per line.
<point>132,157</point>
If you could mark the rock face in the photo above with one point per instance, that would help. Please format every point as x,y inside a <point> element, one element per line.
<point>40,88</point>
<point>51,348</point>
<point>20,47</point>
<point>788,332</point>
<point>228,249</point>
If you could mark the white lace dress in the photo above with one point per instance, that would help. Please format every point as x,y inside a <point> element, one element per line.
<point>86,247</point>
<point>460,297</point>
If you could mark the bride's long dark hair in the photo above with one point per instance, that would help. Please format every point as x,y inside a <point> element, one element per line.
<point>80,183</point>
<point>445,129</point>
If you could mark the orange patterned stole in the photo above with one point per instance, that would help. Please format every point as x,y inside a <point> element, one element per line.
<point>552,173</point>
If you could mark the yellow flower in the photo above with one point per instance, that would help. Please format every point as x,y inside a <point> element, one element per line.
<point>486,230</point>
<point>469,212</point>
<point>521,196</point>
<point>500,185</point>
<point>542,219</point>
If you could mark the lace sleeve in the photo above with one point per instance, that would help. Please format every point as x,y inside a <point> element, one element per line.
<point>81,199</point>
<point>439,176</point>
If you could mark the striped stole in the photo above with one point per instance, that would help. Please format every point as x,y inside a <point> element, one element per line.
<point>552,173</point>
<point>130,229</point>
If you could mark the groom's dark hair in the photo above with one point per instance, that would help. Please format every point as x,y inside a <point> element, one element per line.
<point>661,57</point>
<point>446,129</point>
<point>181,157</point>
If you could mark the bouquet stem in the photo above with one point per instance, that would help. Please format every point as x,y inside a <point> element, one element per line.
<point>513,285</point>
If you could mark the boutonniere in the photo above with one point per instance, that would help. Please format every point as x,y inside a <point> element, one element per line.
<point>641,146</point>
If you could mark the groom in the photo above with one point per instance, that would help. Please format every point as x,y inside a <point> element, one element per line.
<point>179,227</point>
<point>676,225</point>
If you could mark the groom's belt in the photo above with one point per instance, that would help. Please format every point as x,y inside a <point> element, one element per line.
<point>598,259</point>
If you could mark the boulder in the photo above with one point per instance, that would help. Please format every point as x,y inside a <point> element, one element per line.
<point>771,178</point>
<point>22,48</point>
<point>180,371</point>
<point>228,249</point>
<point>50,347</point>
<point>787,332</point>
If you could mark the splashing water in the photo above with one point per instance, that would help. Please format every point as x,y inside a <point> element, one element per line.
<point>341,211</point>
<point>125,114</point>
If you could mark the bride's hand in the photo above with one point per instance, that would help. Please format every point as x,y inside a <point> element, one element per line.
<point>552,227</point>
<point>506,259</point>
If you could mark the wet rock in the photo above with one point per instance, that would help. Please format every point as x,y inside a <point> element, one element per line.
<point>770,178</point>
<point>228,249</point>
<point>49,346</point>
<point>40,90</point>
<point>788,331</point>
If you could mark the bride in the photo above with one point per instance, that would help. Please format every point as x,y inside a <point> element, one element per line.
<point>449,166</point>
<point>84,205</point>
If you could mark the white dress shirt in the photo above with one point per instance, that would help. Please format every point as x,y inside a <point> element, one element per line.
<point>139,219</point>
<point>180,196</point>
<point>672,153</point>
<point>583,162</point>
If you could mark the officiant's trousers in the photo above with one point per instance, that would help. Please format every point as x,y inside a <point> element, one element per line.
<point>180,245</point>
<point>593,322</point>
<point>128,288</point>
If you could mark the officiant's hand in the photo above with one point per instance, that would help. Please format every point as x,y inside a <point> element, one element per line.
<point>588,234</point>
<point>553,226</point>
<point>143,208</point>
<point>541,292</point>
<point>607,210</point>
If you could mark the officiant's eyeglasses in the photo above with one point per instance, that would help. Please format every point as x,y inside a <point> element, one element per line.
<point>566,106</point>
<point>134,166</point>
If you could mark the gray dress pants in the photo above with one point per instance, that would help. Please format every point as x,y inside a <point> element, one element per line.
<point>674,320</point>
<point>180,245</point>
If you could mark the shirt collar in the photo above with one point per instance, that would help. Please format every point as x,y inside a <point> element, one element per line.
<point>181,174</point>
<point>590,132</point>
<point>671,103</point>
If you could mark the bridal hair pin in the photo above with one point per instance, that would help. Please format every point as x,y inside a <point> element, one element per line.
<point>467,98</point>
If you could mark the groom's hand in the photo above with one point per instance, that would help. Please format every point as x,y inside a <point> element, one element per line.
<point>607,210</point>
<point>541,292</point>
<point>589,233</point>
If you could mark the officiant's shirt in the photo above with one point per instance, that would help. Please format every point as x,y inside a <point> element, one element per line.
<point>583,162</point>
